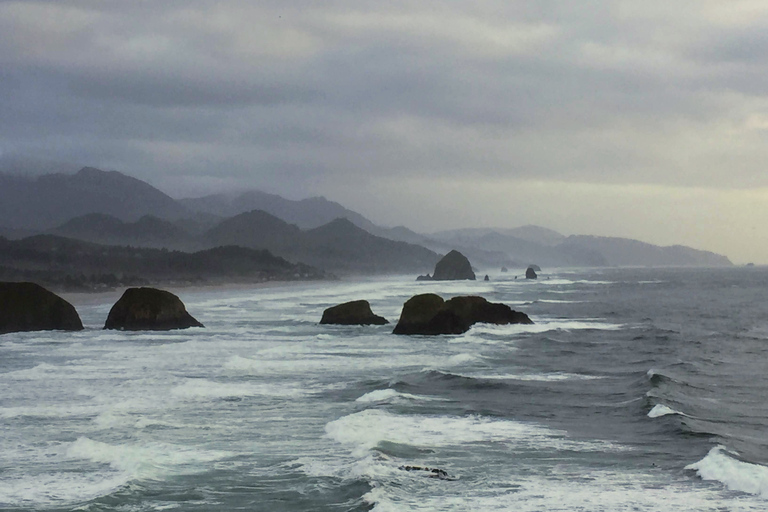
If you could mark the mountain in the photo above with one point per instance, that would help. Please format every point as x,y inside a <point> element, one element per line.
<point>344,246</point>
<point>64,263</point>
<point>339,246</point>
<point>532,244</point>
<point>148,231</point>
<point>306,213</point>
<point>626,252</point>
<point>52,199</point>
<point>256,229</point>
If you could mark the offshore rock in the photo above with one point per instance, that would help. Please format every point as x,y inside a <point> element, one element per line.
<point>453,266</point>
<point>30,307</point>
<point>429,314</point>
<point>424,278</point>
<point>149,309</point>
<point>357,312</point>
<point>530,273</point>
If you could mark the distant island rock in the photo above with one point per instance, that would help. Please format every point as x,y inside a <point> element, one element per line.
<point>149,309</point>
<point>357,312</point>
<point>429,314</point>
<point>30,307</point>
<point>424,278</point>
<point>530,273</point>
<point>453,266</point>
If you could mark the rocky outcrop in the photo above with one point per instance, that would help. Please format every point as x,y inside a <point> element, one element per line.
<point>530,273</point>
<point>30,307</point>
<point>357,312</point>
<point>424,278</point>
<point>149,309</point>
<point>453,266</point>
<point>429,314</point>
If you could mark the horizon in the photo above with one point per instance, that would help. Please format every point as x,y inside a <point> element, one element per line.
<point>641,121</point>
<point>234,194</point>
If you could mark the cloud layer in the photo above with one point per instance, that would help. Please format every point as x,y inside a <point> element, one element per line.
<point>348,98</point>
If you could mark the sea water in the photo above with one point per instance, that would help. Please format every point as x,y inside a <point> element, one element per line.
<point>635,389</point>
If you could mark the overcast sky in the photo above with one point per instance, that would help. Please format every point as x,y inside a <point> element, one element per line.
<point>645,119</point>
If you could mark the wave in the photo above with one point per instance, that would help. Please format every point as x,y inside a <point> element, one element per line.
<point>365,430</point>
<point>660,410</point>
<point>206,389</point>
<point>150,461</point>
<point>723,466</point>
<point>390,395</point>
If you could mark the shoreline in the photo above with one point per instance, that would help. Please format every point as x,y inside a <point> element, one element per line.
<point>100,297</point>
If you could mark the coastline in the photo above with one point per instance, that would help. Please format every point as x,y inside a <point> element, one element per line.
<point>111,296</point>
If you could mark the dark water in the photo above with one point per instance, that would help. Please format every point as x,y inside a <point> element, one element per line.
<point>635,390</point>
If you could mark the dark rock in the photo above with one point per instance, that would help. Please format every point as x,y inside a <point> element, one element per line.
<point>530,273</point>
<point>486,278</point>
<point>149,309</point>
<point>429,314</point>
<point>357,312</point>
<point>417,312</point>
<point>424,278</point>
<point>453,266</point>
<point>432,472</point>
<point>30,307</point>
<point>535,267</point>
<point>504,269</point>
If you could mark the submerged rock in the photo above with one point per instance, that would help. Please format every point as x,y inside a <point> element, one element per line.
<point>357,312</point>
<point>453,266</point>
<point>431,472</point>
<point>530,273</point>
<point>429,314</point>
<point>30,307</point>
<point>149,309</point>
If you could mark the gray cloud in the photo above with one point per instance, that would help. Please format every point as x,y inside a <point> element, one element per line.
<point>292,97</point>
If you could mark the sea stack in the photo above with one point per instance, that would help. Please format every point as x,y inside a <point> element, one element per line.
<point>429,314</point>
<point>452,267</point>
<point>530,273</point>
<point>357,312</point>
<point>149,309</point>
<point>30,307</point>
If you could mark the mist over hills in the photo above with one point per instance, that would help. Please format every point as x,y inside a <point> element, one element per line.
<point>114,209</point>
<point>49,200</point>
<point>75,265</point>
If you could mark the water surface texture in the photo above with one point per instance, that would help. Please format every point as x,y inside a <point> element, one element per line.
<point>634,390</point>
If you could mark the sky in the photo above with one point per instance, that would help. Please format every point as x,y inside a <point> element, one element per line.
<point>646,120</point>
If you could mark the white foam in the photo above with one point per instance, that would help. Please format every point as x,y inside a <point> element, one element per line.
<point>389,395</point>
<point>150,461</point>
<point>206,389</point>
<point>538,377</point>
<point>366,429</point>
<point>660,410</point>
<point>544,325</point>
<point>735,474</point>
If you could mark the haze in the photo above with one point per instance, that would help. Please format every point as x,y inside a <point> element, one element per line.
<point>646,120</point>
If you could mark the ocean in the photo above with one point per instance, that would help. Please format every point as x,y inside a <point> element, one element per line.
<point>635,390</point>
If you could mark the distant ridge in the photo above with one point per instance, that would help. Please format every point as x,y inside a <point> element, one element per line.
<point>50,200</point>
<point>148,231</point>
<point>338,246</point>
<point>306,213</point>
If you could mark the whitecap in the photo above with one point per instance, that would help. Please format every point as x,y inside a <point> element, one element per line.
<point>364,430</point>
<point>720,466</point>
<point>660,410</point>
<point>206,389</point>
<point>388,395</point>
<point>150,461</point>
